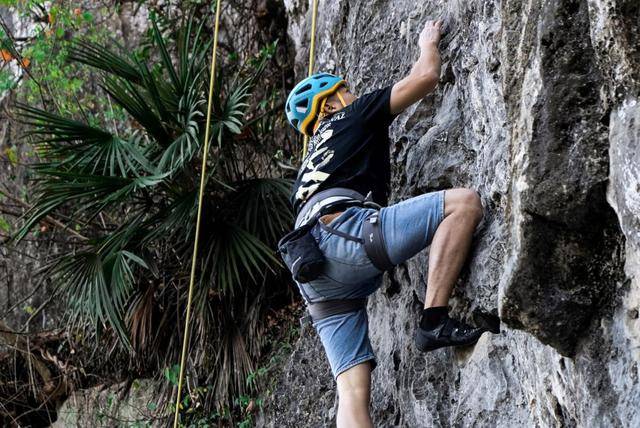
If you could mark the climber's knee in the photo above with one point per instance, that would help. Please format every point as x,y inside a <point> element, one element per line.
<point>474,206</point>
<point>464,202</point>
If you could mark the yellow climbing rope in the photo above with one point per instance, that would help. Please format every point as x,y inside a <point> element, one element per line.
<point>185,342</point>
<point>312,48</point>
<point>205,151</point>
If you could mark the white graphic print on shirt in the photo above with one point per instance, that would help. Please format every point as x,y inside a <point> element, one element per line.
<point>313,177</point>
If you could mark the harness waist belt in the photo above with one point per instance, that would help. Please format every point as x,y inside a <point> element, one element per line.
<point>327,308</point>
<point>322,201</point>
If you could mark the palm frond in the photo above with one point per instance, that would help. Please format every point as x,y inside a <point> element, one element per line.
<point>232,111</point>
<point>233,254</point>
<point>51,128</point>
<point>264,207</point>
<point>193,51</point>
<point>137,105</point>
<point>159,93</point>
<point>140,319</point>
<point>174,222</point>
<point>99,286</point>
<point>164,54</point>
<point>73,145</point>
<point>180,152</point>
<point>89,193</point>
<point>102,58</point>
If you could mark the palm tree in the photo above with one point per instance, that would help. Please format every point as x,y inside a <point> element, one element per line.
<point>131,187</point>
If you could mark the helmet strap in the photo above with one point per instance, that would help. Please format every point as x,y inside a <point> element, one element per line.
<point>341,99</point>
<point>322,114</point>
<point>322,104</point>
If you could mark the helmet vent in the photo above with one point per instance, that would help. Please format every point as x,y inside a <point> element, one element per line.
<point>303,89</point>
<point>323,84</point>
<point>302,105</point>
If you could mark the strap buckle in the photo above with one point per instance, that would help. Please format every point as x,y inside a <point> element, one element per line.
<point>305,320</point>
<point>368,202</point>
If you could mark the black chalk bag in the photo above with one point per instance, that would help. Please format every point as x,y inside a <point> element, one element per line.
<point>300,252</point>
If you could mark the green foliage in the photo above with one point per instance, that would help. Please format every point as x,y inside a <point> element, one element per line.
<point>130,185</point>
<point>172,373</point>
<point>46,74</point>
<point>5,226</point>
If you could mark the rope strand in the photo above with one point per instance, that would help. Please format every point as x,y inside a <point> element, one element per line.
<point>312,49</point>
<point>185,342</point>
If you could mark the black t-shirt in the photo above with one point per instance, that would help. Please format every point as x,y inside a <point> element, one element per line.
<point>350,149</point>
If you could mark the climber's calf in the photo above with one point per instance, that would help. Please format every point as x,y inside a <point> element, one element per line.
<point>449,248</point>
<point>462,213</point>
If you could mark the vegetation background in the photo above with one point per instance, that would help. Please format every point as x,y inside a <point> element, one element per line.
<point>101,130</point>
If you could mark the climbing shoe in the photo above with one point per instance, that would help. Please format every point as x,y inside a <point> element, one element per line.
<point>448,332</point>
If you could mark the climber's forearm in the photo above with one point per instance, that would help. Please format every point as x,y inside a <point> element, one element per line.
<point>422,80</point>
<point>429,62</point>
<point>425,73</point>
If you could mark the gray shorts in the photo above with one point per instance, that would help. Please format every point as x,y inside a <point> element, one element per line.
<point>407,228</point>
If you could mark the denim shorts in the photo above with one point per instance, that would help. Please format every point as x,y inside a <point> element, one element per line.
<point>407,228</point>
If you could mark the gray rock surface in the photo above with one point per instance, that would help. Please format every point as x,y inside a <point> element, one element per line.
<point>538,109</point>
<point>120,405</point>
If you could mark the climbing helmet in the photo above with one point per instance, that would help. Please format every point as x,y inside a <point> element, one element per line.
<point>305,99</point>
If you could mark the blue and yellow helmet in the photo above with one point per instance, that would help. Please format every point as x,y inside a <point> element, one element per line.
<point>303,103</point>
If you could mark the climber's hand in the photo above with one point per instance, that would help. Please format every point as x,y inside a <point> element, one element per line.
<point>425,73</point>
<point>430,34</point>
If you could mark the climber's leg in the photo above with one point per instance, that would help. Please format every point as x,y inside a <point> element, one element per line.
<point>354,387</point>
<point>446,221</point>
<point>347,274</point>
<point>451,243</point>
<point>449,249</point>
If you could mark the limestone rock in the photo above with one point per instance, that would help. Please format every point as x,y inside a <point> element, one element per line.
<point>123,404</point>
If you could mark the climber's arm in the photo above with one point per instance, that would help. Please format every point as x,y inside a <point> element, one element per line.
<point>425,73</point>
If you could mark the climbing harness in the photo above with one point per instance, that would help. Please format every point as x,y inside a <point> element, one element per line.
<point>205,151</point>
<point>338,199</point>
<point>300,252</point>
<point>374,242</point>
<point>327,308</point>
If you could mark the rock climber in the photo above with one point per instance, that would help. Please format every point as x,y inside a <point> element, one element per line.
<point>349,149</point>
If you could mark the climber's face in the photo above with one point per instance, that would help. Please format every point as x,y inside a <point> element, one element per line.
<point>333,103</point>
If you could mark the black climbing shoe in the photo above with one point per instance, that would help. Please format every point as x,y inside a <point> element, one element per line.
<point>449,332</point>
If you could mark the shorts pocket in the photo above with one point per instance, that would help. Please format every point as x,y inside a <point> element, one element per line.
<point>343,251</point>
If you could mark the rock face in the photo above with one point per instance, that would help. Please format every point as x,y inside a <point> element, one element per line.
<point>538,109</point>
<point>126,404</point>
